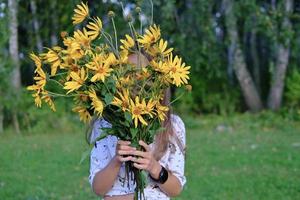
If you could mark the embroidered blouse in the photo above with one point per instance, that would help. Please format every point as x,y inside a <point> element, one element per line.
<point>105,149</point>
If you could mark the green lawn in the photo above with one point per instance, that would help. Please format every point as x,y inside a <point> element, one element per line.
<point>240,157</point>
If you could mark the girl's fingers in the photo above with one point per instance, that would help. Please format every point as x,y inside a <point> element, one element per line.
<point>124,159</point>
<point>124,152</point>
<point>140,154</point>
<point>122,142</point>
<point>140,166</point>
<point>125,147</point>
<point>140,160</point>
<point>146,146</point>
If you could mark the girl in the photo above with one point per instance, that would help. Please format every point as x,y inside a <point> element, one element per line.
<point>163,160</point>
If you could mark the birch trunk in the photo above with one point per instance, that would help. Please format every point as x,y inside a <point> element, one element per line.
<point>36,26</point>
<point>54,22</point>
<point>14,54</point>
<point>248,88</point>
<point>282,60</point>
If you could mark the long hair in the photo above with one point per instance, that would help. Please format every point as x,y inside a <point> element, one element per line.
<point>162,139</point>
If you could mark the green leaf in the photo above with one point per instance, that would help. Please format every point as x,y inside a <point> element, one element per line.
<point>84,155</point>
<point>133,132</point>
<point>128,117</point>
<point>108,98</point>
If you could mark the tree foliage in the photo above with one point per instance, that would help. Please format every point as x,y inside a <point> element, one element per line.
<point>198,30</point>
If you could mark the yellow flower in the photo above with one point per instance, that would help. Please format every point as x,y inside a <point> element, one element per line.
<point>124,82</point>
<point>151,36</point>
<point>83,113</point>
<point>111,59</point>
<point>123,100</point>
<point>40,78</point>
<point>68,41</point>
<point>137,109</point>
<point>36,95</point>
<point>97,104</point>
<point>80,13</point>
<point>53,58</point>
<point>67,62</point>
<point>82,38</point>
<point>81,97</point>
<point>37,99</point>
<point>128,43</point>
<point>75,51</point>
<point>144,74</point>
<point>77,81</point>
<point>177,70</point>
<point>159,66</point>
<point>100,69</point>
<point>149,107</point>
<point>94,28</point>
<point>48,100</point>
<point>161,49</point>
<point>161,111</point>
<point>37,61</point>
<point>123,57</point>
<point>40,81</point>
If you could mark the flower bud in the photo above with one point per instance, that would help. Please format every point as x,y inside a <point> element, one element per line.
<point>138,9</point>
<point>188,88</point>
<point>129,18</point>
<point>111,14</point>
<point>63,34</point>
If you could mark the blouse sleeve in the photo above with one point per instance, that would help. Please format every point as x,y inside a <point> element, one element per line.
<point>100,155</point>
<point>177,156</point>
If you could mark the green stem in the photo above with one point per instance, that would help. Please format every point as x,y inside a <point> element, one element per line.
<point>151,2</point>
<point>177,98</point>
<point>109,41</point>
<point>58,74</point>
<point>141,23</point>
<point>55,81</point>
<point>59,95</point>
<point>115,31</point>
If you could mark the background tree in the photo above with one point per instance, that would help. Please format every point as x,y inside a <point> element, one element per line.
<point>246,82</point>
<point>240,59</point>
<point>14,54</point>
<point>282,56</point>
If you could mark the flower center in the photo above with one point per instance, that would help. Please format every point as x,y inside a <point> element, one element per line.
<point>101,70</point>
<point>137,110</point>
<point>173,69</point>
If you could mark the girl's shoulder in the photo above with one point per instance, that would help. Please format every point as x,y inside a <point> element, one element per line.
<point>97,125</point>
<point>178,128</point>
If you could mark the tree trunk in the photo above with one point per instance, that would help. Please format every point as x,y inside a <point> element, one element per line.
<point>255,58</point>
<point>36,26</point>
<point>54,23</point>
<point>273,4</point>
<point>14,54</point>
<point>282,60</point>
<point>1,118</point>
<point>248,88</point>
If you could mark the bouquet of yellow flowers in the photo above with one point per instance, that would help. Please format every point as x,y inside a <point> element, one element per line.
<point>123,83</point>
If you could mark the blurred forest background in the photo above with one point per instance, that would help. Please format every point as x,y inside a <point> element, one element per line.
<point>245,58</point>
<point>244,54</point>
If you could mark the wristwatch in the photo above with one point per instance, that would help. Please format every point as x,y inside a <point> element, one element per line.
<point>162,177</point>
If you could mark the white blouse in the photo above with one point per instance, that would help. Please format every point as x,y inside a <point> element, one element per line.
<point>105,149</point>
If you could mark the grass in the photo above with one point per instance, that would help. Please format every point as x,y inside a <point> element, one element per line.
<point>238,157</point>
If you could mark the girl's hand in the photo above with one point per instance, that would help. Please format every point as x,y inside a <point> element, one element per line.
<point>146,161</point>
<point>124,151</point>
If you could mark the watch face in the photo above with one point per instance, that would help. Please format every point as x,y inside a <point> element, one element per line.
<point>163,175</point>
